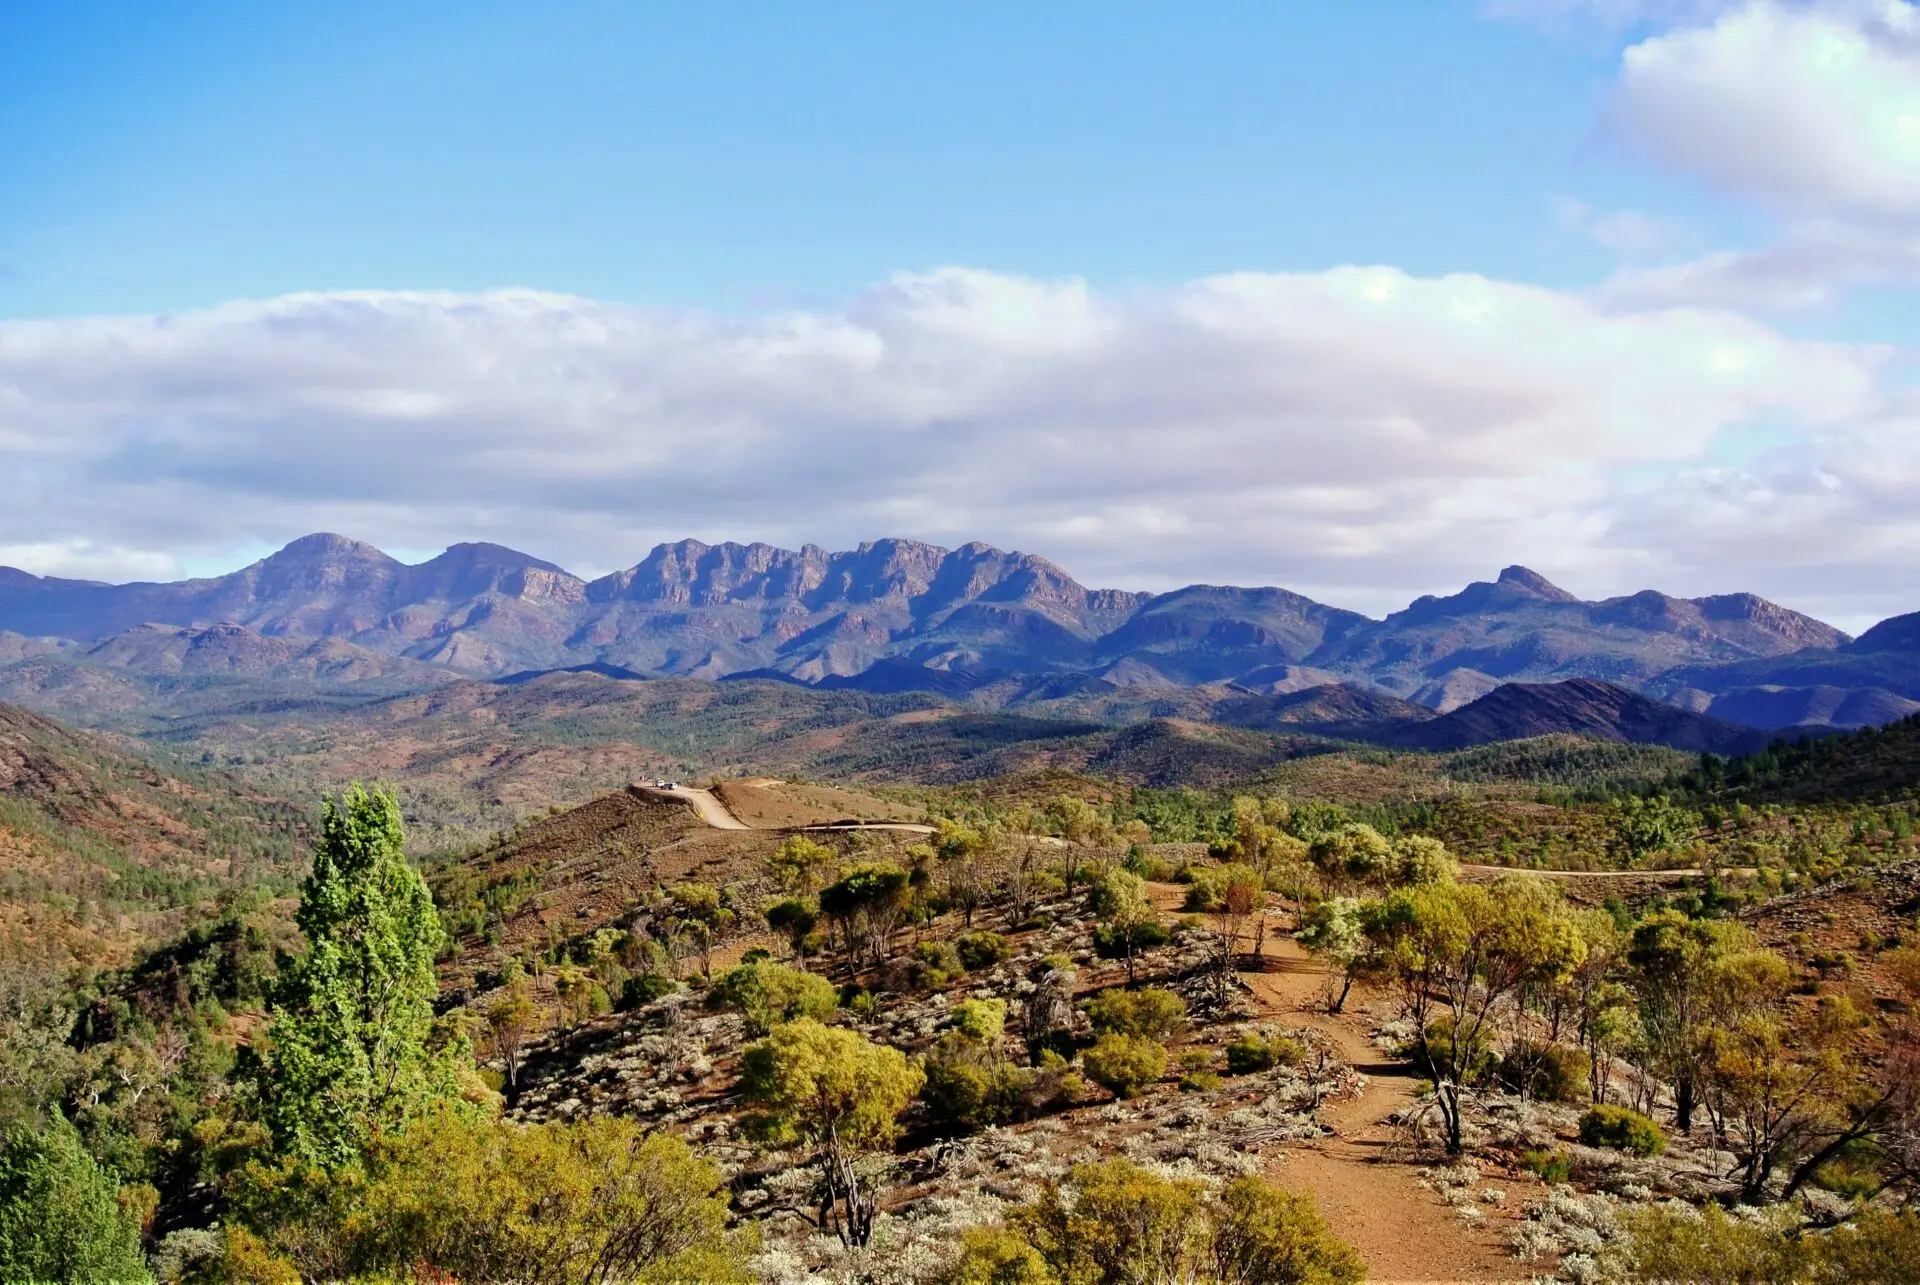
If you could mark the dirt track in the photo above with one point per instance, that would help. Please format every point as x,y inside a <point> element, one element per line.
<point>704,805</point>
<point>1371,1200</point>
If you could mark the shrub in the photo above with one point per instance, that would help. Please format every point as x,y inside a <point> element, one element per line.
<point>997,1256</point>
<point>968,1087</point>
<point>767,994</point>
<point>1124,1064</point>
<point>937,964</point>
<point>982,950</point>
<point>1114,1221</point>
<point>1152,1012</point>
<point>1200,1081</point>
<point>1622,1129</point>
<point>984,1020</point>
<point>1548,1072</point>
<point>1251,1053</point>
<point>1553,1167</point>
<point>1110,942</point>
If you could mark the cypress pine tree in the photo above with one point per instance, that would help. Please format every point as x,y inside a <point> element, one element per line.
<point>347,1048</point>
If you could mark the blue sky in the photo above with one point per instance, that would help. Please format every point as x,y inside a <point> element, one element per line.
<point>1366,300</point>
<point>735,156</point>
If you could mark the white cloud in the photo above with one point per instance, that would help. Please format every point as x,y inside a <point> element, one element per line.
<point>1359,432</point>
<point>1813,109</point>
<point>1806,268</point>
<point>1631,234</point>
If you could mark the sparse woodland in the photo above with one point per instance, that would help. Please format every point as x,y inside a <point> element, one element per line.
<point>1064,1032</point>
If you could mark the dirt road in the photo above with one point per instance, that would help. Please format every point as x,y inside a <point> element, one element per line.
<point>705,806</point>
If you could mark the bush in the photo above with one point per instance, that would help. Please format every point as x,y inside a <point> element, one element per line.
<point>1201,1081</point>
<point>1111,943</point>
<point>1124,1064</point>
<point>1116,1222</point>
<point>1152,1013</point>
<point>969,1088</point>
<point>982,950</point>
<point>983,1020</point>
<point>1553,1167</point>
<point>1251,1053</point>
<point>1547,1072</point>
<point>767,994</point>
<point>1622,1129</point>
<point>937,964</point>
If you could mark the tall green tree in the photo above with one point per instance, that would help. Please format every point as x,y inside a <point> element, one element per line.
<point>347,1049</point>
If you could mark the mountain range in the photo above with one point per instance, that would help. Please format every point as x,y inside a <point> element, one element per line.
<point>974,623</point>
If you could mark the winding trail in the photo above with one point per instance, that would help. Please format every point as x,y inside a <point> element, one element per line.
<point>1372,1201</point>
<point>1369,1195</point>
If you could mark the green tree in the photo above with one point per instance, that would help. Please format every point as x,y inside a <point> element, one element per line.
<point>1122,903</point>
<point>60,1218</point>
<point>347,1045</point>
<point>867,902</point>
<point>840,1094</point>
<point>1470,949</point>
<point>795,919</point>
<point>1681,967</point>
<point>767,994</point>
<point>509,1019</point>
<point>1335,930</point>
<point>799,862</point>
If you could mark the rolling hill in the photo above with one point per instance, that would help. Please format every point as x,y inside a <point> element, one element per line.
<point>101,849</point>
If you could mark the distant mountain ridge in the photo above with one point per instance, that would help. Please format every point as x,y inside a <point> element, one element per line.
<point>899,615</point>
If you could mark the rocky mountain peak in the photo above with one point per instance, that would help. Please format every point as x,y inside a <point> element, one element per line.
<point>1530,581</point>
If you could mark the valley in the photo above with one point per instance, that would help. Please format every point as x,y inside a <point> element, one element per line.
<point>1159,933</point>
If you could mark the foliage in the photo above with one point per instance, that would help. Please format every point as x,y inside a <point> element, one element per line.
<point>982,950</point>
<point>937,964</point>
<point>1552,1167</point>
<point>1710,1247</point>
<point>1129,920</point>
<point>1547,1072</point>
<point>982,1020</point>
<point>1124,1064</point>
<point>767,994</point>
<point>1335,930</point>
<point>598,1201</point>
<point>1468,948</point>
<point>645,988</point>
<point>60,1219</point>
<point>867,902</point>
<point>1251,1054</point>
<point>1152,1012</point>
<point>1621,1129</point>
<point>347,1049</point>
<point>1114,1223</point>
<point>838,1093</point>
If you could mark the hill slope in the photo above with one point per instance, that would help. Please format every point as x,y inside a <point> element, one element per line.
<point>99,849</point>
<point>1520,710</point>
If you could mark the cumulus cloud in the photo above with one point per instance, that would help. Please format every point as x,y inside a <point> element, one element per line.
<point>1814,109</point>
<point>1358,432</point>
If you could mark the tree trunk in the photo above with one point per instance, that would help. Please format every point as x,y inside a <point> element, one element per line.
<point>1346,985</point>
<point>1683,1104</point>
